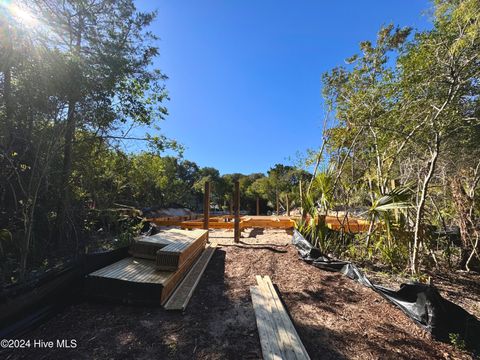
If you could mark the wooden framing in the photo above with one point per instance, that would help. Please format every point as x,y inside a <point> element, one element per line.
<point>353,225</point>
<point>225,222</point>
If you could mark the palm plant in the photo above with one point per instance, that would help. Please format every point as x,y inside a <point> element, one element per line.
<point>314,228</point>
<point>322,189</point>
<point>382,206</point>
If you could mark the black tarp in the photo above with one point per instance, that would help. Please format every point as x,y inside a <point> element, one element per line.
<point>24,306</point>
<point>421,302</point>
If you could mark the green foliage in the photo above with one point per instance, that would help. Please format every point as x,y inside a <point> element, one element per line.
<point>406,113</point>
<point>457,341</point>
<point>314,229</point>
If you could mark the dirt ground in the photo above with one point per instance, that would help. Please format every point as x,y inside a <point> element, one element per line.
<point>336,318</point>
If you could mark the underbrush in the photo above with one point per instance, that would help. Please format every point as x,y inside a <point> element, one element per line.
<point>102,230</point>
<point>386,251</point>
<point>110,229</point>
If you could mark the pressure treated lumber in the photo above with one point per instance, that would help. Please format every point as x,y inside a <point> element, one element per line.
<point>278,336</point>
<point>182,294</point>
<point>138,280</point>
<point>265,325</point>
<point>146,247</point>
<point>172,256</point>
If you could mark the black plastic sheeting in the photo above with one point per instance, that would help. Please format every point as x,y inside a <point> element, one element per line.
<point>421,302</point>
<point>24,307</point>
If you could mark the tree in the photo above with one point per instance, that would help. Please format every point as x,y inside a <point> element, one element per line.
<point>73,82</point>
<point>106,56</point>
<point>441,71</point>
<point>407,111</point>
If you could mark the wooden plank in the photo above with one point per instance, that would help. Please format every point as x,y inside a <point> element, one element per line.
<point>132,269</point>
<point>147,246</point>
<point>211,225</point>
<point>176,277</point>
<point>283,337</point>
<point>293,342</point>
<point>182,294</point>
<point>266,329</point>
<point>172,256</point>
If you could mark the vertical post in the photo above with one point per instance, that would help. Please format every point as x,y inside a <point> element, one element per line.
<point>278,203</point>
<point>301,199</point>
<point>206,205</point>
<point>236,207</point>
<point>258,206</point>
<point>288,205</point>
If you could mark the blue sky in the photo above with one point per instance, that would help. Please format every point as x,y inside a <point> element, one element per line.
<point>244,76</point>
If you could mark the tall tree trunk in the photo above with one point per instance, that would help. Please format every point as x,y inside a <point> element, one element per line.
<point>7,78</point>
<point>64,201</point>
<point>418,230</point>
<point>370,231</point>
<point>463,205</point>
<point>7,94</point>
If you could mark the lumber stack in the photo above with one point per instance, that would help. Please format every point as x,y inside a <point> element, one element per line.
<point>278,337</point>
<point>182,294</point>
<point>170,248</point>
<point>176,254</point>
<point>158,264</point>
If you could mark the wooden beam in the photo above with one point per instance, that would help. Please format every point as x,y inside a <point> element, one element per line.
<point>236,207</point>
<point>258,206</point>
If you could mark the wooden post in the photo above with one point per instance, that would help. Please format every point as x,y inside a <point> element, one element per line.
<point>206,205</point>
<point>301,200</point>
<point>278,203</point>
<point>288,205</point>
<point>258,206</point>
<point>236,207</point>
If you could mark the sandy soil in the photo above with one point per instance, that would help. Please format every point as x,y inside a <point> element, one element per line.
<point>336,318</point>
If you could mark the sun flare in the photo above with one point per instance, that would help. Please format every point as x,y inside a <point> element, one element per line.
<point>19,13</point>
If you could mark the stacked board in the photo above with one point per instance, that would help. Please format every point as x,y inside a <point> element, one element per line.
<point>182,294</point>
<point>139,279</point>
